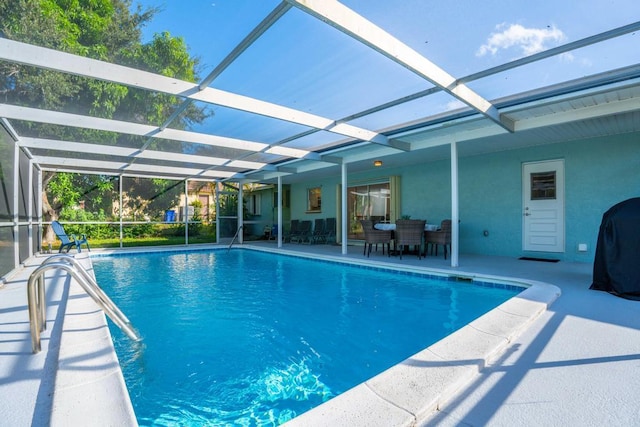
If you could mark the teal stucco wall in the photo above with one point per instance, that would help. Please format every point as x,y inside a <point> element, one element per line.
<point>599,173</point>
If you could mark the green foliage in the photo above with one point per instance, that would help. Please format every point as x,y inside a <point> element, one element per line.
<point>150,198</point>
<point>96,231</point>
<point>135,231</point>
<point>66,190</point>
<point>108,30</point>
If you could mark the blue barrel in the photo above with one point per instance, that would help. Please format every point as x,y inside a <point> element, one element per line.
<point>170,216</point>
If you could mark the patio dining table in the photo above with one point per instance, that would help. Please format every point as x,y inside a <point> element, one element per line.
<point>392,227</point>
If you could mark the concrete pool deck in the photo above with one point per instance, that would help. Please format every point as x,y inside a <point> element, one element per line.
<point>575,363</point>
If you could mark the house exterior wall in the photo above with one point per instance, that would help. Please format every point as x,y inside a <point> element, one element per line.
<point>255,224</point>
<point>599,172</point>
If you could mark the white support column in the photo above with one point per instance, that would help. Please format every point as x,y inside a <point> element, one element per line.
<point>240,212</point>
<point>186,211</point>
<point>16,206</point>
<point>30,208</point>
<point>343,207</point>
<point>217,212</point>
<point>454,206</point>
<point>121,209</point>
<point>279,203</point>
<point>39,209</point>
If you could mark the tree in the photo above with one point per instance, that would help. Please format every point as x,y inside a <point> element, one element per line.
<point>102,29</point>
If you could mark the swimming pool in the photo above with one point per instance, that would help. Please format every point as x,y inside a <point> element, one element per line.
<point>253,338</point>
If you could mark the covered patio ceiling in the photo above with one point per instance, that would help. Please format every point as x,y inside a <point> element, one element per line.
<point>301,124</point>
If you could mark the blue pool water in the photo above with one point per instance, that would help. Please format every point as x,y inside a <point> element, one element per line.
<point>251,338</point>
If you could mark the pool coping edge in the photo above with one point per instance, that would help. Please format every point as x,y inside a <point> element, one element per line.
<point>402,395</point>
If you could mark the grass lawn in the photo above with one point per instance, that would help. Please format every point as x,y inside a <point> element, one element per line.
<point>128,242</point>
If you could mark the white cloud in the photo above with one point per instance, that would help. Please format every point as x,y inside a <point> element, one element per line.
<point>528,40</point>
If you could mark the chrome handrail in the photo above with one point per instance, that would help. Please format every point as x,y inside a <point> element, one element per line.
<point>90,279</point>
<point>36,298</point>
<point>235,236</point>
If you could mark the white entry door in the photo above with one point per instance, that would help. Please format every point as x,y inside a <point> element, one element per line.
<point>543,206</point>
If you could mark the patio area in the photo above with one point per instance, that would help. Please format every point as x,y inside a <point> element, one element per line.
<point>520,126</point>
<point>574,364</point>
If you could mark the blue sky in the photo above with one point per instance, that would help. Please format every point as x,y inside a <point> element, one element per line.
<point>304,64</point>
<point>495,30</point>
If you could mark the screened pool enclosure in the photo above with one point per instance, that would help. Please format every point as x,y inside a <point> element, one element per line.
<point>291,92</point>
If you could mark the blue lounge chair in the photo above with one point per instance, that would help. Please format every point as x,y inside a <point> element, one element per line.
<point>273,232</point>
<point>69,241</point>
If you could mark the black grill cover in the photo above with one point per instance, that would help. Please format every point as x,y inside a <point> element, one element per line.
<point>616,268</point>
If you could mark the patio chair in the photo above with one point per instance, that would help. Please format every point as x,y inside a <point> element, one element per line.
<point>273,232</point>
<point>373,236</point>
<point>293,230</point>
<point>330,230</point>
<point>318,235</point>
<point>409,232</point>
<point>303,234</point>
<point>439,237</point>
<point>69,241</point>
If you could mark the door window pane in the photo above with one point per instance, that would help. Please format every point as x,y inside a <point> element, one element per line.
<point>543,185</point>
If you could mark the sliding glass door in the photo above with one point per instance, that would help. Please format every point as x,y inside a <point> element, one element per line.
<point>367,201</point>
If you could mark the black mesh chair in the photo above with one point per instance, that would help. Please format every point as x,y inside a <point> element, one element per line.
<point>318,234</point>
<point>330,230</point>
<point>304,232</point>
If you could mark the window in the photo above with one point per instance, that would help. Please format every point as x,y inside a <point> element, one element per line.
<point>543,185</point>
<point>253,204</point>
<point>314,200</point>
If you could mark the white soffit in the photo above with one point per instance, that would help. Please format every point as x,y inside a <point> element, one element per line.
<point>577,114</point>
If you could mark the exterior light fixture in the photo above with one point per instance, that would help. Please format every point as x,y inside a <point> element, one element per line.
<point>377,163</point>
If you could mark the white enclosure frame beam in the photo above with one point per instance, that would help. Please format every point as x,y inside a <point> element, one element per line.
<point>76,165</point>
<point>240,213</point>
<point>16,204</point>
<point>79,121</point>
<point>455,206</point>
<point>112,150</point>
<point>37,56</point>
<point>359,28</point>
<point>343,208</point>
<point>121,214</point>
<point>279,204</point>
<point>217,193</point>
<point>39,209</point>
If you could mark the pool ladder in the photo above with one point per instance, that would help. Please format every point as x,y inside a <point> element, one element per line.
<point>36,297</point>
